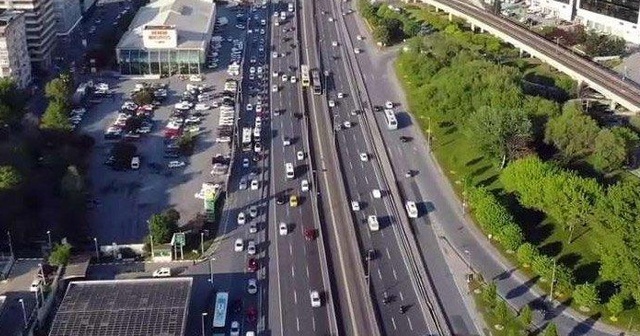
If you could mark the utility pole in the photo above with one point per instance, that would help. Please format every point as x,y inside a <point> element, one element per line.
<point>10,244</point>
<point>202,243</point>
<point>211,270</point>
<point>24,312</point>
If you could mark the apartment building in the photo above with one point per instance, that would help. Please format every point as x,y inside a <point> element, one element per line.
<point>68,13</point>
<point>40,22</point>
<point>14,57</point>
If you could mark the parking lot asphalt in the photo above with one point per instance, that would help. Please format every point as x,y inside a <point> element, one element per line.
<point>16,287</point>
<point>126,199</point>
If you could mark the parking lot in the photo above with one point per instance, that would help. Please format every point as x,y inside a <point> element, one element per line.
<point>124,200</point>
<point>16,287</point>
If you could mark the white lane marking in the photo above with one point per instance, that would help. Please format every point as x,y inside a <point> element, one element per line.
<point>295,297</point>
<point>307,271</point>
<point>395,276</point>
<point>382,233</point>
<point>313,322</point>
<point>293,272</point>
<point>297,323</point>
<point>290,249</point>
<point>393,321</point>
<point>388,254</point>
<point>401,296</point>
<point>350,165</point>
<point>366,180</point>
<point>379,274</point>
<point>410,324</point>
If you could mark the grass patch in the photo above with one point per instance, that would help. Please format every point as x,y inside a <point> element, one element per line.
<point>509,326</point>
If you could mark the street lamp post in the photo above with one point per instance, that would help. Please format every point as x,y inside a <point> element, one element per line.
<point>203,316</point>
<point>95,242</point>
<point>202,243</point>
<point>211,269</point>
<point>10,244</point>
<point>151,245</point>
<point>49,235</point>
<point>24,312</point>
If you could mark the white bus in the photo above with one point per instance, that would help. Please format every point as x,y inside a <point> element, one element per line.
<point>220,310</point>
<point>246,139</point>
<point>288,167</point>
<point>304,75</point>
<point>390,117</point>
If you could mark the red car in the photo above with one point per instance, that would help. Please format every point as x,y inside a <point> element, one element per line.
<point>252,315</point>
<point>309,234</point>
<point>252,265</point>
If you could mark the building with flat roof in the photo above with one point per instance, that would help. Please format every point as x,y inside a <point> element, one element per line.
<point>137,307</point>
<point>167,37</point>
<point>14,55</point>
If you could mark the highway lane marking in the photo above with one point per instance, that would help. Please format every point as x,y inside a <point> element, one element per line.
<point>295,297</point>
<point>395,275</point>
<point>393,321</point>
<point>350,165</point>
<point>293,272</point>
<point>410,324</point>
<point>313,322</point>
<point>379,274</point>
<point>297,323</point>
<point>290,249</point>
<point>401,296</point>
<point>388,254</point>
<point>366,180</point>
<point>307,267</point>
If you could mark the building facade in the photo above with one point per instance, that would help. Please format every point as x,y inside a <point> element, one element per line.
<point>14,56</point>
<point>40,22</point>
<point>167,37</point>
<point>68,13</point>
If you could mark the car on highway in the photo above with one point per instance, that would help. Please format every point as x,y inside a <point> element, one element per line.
<point>346,124</point>
<point>253,228</point>
<point>254,184</point>
<point>176,164</point>
<point>388,104</point>
<point>315,299</point>
<point>357,50</point>
<point>162,272</point>
<point>372,221</point>
<point>257,147</point>
<point>285,78</point>
<point>252,286</point>
<point>334,43</point>
<point>340,95</point>
<point>412,209</point>
<point>241,218</point>
<point>355,205</point>
<point>252,265</point>
<point>283,229</point>
<point>300,155</point>
<point>238,246</point>
<point>304,185</point>
<point>293,201</point>
<point>364,157</point>
<point>281,200</point>
<point>243,184</point>
<point>332,103</point>
<point>245,162</point>
<point>235,326</point>
<point>376,193</point>
<point>251,247</point>
<point>274,88</point>
<point>286,141</point>
<point>253,211</point>
<point>359,37</point>
<point>405,138</point>
<point>309,234</point>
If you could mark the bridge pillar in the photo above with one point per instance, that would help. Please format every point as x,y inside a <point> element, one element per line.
<point>521,52</point>
<point>473,27</point>
<point>613,105</point>
<point>481,30</point>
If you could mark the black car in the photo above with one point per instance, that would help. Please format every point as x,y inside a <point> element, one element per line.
<point>371,254</point>
<point>405,138</point>
<point>281,200</point>
<point>377,108</point>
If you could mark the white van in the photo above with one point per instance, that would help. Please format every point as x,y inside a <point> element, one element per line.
<point>288,167</point>
<point>373,223</point>
<point>412,209</point>
<point>135,162</point>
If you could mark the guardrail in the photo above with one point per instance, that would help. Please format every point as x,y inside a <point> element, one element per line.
<point>410,251</point>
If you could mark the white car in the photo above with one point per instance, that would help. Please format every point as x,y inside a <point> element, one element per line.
<point>330,19</point>
<point>372,221</point>
<point>359,37</point>
<point>252,70</point>
<point>162,272</point>
<point>253,228</point>
<point>238,246</point>
<point>315,299</point>
<point>388,105</point>
<point>202,107</point>
<point>300,155</point>
<point>254,184</point>
<point>258,108</point>
<point>235,329</point>
<point>274,54</point>
<point>285,78</point>
<point>253,211</point>
<point>346,124</point>
<point>257,148</point>
<point>357,50</point>
<point>364,157</point>
<point>252,286</point>
<point>340,95</point>
<point>192,120</point>
<point>245,162</point>
<point>251,247</point>
<point>412,209</point>
<point>249,107</point>
<point>283,229</point>
<point>355,206</point>
<point>293,80</point>
<point>286,141</point>
<point>376,193</point>
<point>332,103</point>
<point>274,88</point>
<point>176,164</point>
<point>241,218</point>
<point>304,185</point>
<point>334,43</point>
<point>275,74</point>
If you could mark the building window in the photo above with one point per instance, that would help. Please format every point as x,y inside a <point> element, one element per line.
<point>619,9</point>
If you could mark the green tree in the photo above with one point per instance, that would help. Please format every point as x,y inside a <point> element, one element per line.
<point>543,266</point>
<point>615,306</point>
<point>490,294</point>
<point>526,316</point>
<point>162,226</point>
<point>496,131</point>
<point>12,102</point>
<point>10,178</point>
<point>382,34</point>
<point>143,97</point>
<point>572,132</point>
<point>526,253</point>
<point>60,254</point>
<point>501,311</point>
<point>610,153</point>
<point>510,236</point>
<point>56,118</point>
<point>60,90</point>
<point>550,330</point>
<point>586,295</point>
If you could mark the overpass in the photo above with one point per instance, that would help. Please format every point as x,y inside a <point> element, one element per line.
<point>608,83</point>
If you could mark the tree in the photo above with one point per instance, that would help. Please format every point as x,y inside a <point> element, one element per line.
<point>510,236</point>
<point>55,118</point>
<point>501,311</point>
<point>550,330</point>
<point>543,266</point>
<point>526,253</point>
<point>162,226</point>
<point>10,178</point>
<point>499,133</point>
<point>586,295</point>
<point>60,254</point>
<point>610,153</point>
<point>187,142</point>
<point>60,89</point>
<point>490,294</point>
<point>12,102</point>
<point>526,316</point>
<point>615,306</point>
<point>382,34</point>
<point>143,97</point>
<point>572,132</point>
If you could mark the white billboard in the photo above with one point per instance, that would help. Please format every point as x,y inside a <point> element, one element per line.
<point>159,37</point>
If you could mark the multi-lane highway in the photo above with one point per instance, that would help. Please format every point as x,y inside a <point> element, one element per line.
<point>296,261</point>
